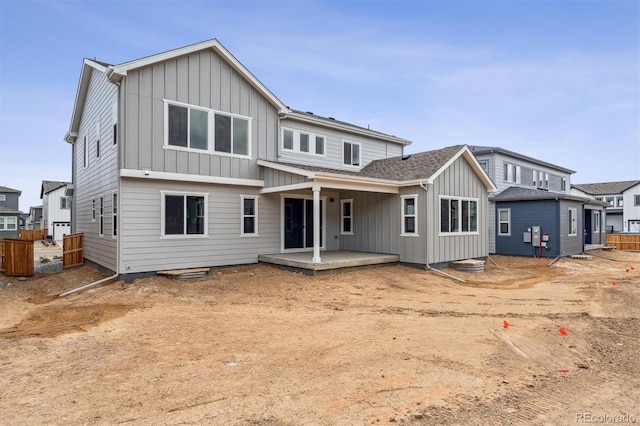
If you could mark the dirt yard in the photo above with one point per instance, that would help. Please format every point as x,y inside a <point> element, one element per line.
<point>258,346</point>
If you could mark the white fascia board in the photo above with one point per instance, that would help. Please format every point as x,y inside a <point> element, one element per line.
<point>357,185</point>
<point>117,72</point>
<point>475,165</point>
<point>286,168</point>
<point>182,177</point>
<point>344,127</point>
<point>351,178</point>
<point>81,95</point>
<point>287,188</point>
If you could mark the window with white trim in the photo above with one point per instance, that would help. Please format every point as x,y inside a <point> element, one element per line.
<point>620,201</point>
<point>93,210</point>
<point>101,216</point>
<point>302,142</point>
<point>183,214</point>
<point>8,223</point>
<point>346,217</point>
<point>98,139</point>
<point>636,200</point>
<point>546,180</point>
<point>114,214</point>
<point>458,215</point>
<point>504,221</point>
<point>485,165</point>
<point>511,173</point>
<point>114,116</point>
<point>201,129</point>
<point>596,222</point>
<point>249,215</point>
<point>85,153</point>
<point>3,197</point>
<point>65,203</point>
<point>351,153</point>
<point>573,221</point>
<point>563,184</point>
<point>409,215</point>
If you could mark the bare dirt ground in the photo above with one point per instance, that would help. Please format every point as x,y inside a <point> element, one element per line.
<point>258,346</point>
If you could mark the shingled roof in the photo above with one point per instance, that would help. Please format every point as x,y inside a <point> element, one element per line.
<point>6,189</point>
<point>516,193</point>
<point>50,185</point>
<point>479,150</point>
<point>606,188</point>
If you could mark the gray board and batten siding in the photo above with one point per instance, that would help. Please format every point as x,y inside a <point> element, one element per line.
<point>100,175</point>
<point>201,79</point>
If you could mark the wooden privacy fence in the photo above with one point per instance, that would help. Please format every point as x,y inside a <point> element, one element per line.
<point>17,258</point>
<point>72,250</point>
<point>33,234</point>
<point>627,242</point>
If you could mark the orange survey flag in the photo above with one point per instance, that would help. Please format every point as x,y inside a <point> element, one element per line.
<point>563,331</point>
<point>505,324</point>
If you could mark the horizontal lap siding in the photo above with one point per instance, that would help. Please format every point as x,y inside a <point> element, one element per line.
<point>100,175</point>
<point>202,79</point>
<point>524,215</point>
<point>570,244</point>
<point>371,149</point>
<point>143,250</point>
<point>458,180</point>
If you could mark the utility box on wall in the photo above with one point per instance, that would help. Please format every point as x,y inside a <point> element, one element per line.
<point>535,236</point>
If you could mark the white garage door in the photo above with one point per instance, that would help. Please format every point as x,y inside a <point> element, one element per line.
<point>60,229</point>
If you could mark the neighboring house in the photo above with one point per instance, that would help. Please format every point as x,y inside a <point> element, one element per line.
<point>23,220</point>
<point>9,213</point>
<point>185,159</point>
<point>35,218</point>
<point>56,208</point>
<point>623,199</point>
<point>533,193</point>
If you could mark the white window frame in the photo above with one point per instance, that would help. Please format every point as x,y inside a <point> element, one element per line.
<point>636,199</point>
<point>511,173</point>
<point>243,216</point>
<point>85,153</point>
<point>295,142</point>
<point>114,215</point>
<point>4,220</point>
<point>211,143</point>
<point>93,210</point>
<point>97,139</point>
<point>343,216</point>
<point>484,164</point>
<point>101,216</point>
<point>68,203</point>
<point>403,232</point>
<point>114,127</point>
<point>563,185</point>
<point>573,222</point>
<point>3,197</point>
<point>596,222</point>
<point>508,222</point>
<point>546,181</point>
<point>460,218</point>
<point>163,194</point>
<point>344,142</point>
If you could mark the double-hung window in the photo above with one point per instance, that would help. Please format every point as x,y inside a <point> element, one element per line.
<point>573,221</point>
<point>302,142</point>
<point>65,203</point>
<point>351,153</point>
<point>201,129</point>
<point>183,214</point>
<point>93,210</point>
<point>346,217</point>
<point>3,197</point>
<point>409,215</point>
<point>8,223</point>
<point>504,221</point>
<point>511,173</point>
<point>458,215</point>
<point>636,200</point>
<point>249,215</point>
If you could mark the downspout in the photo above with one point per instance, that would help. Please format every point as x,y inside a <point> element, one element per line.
<point>426,247</point>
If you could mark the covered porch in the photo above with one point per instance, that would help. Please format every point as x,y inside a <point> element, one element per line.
<point>331,261</point>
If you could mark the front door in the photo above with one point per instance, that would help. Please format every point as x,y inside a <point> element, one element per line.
<point>298,223</point>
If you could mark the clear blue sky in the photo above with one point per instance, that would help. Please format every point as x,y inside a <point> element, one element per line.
<point>556,80</point>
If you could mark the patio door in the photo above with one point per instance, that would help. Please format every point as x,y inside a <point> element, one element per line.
<point>298,223</point>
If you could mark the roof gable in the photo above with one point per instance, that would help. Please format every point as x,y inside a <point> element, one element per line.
<point>49,185</point>
<point>6,189</point>
<point>88,66</point>
<point>606,188</point>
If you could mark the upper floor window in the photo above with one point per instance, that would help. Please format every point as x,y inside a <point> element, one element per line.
<point>3,197</point>
<point>98,139</point>
<point>196,128</point>
<point>409,215</point>
<point>563,184</point>
<point>114,116</point>
<point>85,152</point>
<point>609,200</point>
<point>458,215</point>
<point>485,165</point>
<point>636,200</point>
<point>309,143</point>
<point>511,173</point>
<point>351,153</point>
<point>619,201</point>
<point>65,203</point>
<point>183,214</point>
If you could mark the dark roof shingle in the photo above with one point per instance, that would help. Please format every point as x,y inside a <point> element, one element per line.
<point>606,188</point>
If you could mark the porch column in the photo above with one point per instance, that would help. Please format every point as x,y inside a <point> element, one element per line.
<point>316,224</point>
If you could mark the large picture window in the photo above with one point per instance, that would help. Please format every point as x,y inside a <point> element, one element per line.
<point>458,215</point>
<point>184,214</point>
<point>201,129</point>
<point>409,215</point>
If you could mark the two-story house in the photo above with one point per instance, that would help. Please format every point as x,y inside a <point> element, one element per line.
<point>533,211</point>
<point>35,218</point>
<point>185,159</point>
<point>9,212</point>
<point>622,198</point>
<point>56,208</point>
